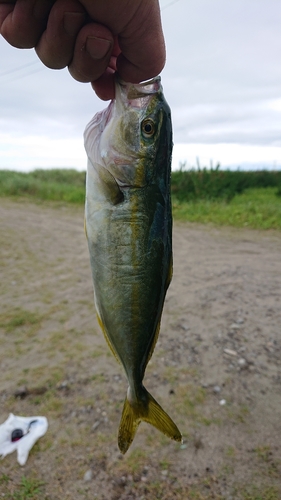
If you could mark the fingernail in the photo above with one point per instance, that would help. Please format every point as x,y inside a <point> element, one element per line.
<point>72,22</point>
<point>97,47</point>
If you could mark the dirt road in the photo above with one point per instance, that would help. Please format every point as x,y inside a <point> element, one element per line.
<point>216,368</point>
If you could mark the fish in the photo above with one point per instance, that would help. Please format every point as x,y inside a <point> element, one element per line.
<point>128,224</point>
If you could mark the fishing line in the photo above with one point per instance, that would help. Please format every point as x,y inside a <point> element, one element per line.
<point>19,77</point>
<point>169,4</point>
<point>19,68</point>
<point>11,79</point>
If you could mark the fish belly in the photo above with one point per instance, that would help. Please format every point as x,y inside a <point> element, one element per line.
<point>128,282</point>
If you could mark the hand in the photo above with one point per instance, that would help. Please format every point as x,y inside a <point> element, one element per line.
<point>93,38</point>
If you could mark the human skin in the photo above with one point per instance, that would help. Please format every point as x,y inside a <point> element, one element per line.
<point>93,38</point>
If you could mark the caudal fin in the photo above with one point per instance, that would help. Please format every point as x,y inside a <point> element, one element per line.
<point>148,410</point>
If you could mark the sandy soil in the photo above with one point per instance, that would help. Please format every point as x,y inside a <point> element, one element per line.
<point>216,368</point>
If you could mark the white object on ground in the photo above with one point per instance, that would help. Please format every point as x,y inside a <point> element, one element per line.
<point>21,433</point>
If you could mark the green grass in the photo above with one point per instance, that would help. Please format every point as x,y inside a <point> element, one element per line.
<point>258,208</point>
<point>48,185</point>
<point>255,493</point>
<point>213,183</point>
<point>29,489</point>
<point>4,479</point>
<point>233,198</point>
<point>26,489</point>
<point>18,318</point>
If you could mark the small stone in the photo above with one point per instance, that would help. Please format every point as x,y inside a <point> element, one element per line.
<point>88,475</point>
<point>184,326</point>
<point>122,481</point>
<point>21,392</point>
<point>63,385</point>
<point>222,402</point>
<point>242,363</point>
<point>216,389</point>
<point>230,352</point>
<point>95,425</point>
<point>164,472</point>
<point>183,446</point>
<point>234,326</point>
<point>198,443</point>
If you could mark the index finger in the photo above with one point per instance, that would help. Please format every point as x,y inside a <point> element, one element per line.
<point>23,22</point>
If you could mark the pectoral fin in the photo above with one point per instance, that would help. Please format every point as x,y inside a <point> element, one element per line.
<point>108,185</point>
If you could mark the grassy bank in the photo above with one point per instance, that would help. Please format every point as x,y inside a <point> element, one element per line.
<point>236,198</point>
<point>48,185</point>
<point>258,208</point>
<point>216,184</point>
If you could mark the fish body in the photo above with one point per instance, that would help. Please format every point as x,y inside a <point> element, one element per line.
<point>128,223</point>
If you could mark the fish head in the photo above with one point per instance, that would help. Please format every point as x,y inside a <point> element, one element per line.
<point>128,136</point>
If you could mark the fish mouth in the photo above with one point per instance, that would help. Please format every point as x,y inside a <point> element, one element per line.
<point>139,90</point>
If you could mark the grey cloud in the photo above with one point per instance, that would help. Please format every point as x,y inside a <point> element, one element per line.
<point>47,103</point>
<point>245,123</point>
<point>235,136</point>
<point>223,65</point>
<point>235,42</point>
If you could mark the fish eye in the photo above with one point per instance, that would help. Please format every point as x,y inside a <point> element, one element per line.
<point>148,128</point>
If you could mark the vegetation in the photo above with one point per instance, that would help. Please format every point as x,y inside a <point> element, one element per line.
<point>54,185</point>
<point>216,184</point>
<point>258,208</point>
<point>26,489</point>
<point>221,197</point>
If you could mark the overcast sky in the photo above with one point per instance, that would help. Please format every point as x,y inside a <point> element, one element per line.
<point>222,81</point>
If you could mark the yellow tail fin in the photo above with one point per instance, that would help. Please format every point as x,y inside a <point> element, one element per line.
<point>148,410</point>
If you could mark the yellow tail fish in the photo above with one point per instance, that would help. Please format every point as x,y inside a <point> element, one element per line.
<point>128,223</point>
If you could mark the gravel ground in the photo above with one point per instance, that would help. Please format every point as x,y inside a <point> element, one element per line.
<point>216,368</point>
